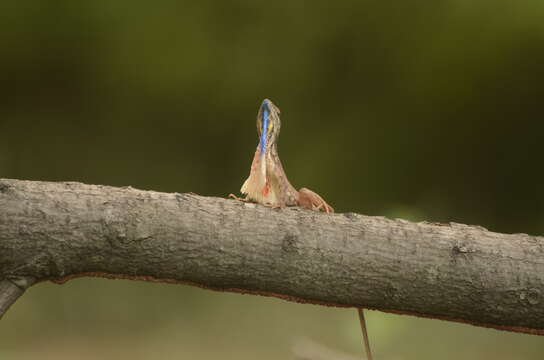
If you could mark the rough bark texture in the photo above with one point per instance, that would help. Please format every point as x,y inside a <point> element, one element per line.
<point>11,290</point>
<point>56,231</point>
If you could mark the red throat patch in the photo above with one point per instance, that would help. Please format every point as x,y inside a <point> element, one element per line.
<point>266,189</point>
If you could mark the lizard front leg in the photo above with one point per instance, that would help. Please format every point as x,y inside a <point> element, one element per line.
<point>232,196</point>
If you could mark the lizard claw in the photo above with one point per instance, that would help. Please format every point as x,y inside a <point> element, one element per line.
<point>310,200</point>
<point>276,206</point>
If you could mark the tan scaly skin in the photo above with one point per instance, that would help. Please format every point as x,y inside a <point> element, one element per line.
<point>268,185</point>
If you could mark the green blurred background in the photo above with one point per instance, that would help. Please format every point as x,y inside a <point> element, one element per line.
<point>425,110</point>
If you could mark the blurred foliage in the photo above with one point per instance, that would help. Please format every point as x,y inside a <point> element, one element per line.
<point>417,109</point>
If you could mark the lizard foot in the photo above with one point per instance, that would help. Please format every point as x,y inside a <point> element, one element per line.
<point>232,196</point>
<point>310,200</point>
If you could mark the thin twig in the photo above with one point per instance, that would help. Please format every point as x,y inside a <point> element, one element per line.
<point>365,333</point>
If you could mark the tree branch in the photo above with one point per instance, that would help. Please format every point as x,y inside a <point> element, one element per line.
<point>57,231</point>
<point>11,290</point>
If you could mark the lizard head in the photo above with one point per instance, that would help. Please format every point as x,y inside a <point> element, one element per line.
<point>268,125</point>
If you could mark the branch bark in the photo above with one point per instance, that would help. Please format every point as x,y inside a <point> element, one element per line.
<point>58,231</point>
<point>11,290</point>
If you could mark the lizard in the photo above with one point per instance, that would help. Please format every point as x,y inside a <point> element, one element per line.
<point>268,185</point>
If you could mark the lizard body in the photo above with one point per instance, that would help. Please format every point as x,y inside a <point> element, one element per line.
<point>267,183</point>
